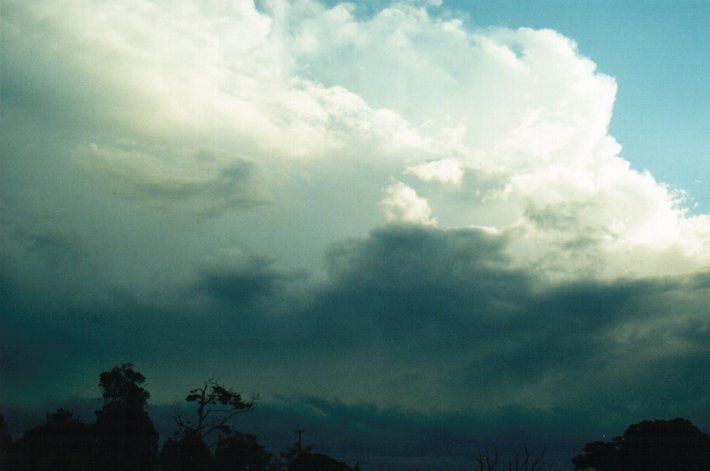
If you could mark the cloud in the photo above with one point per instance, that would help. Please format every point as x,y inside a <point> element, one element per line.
<point>309,87</point>
<point>401,204</point>
<point>444,171</point>
<point>241,281</point>
<point>428,319</point>
<point>202,181</point>
<point>420,318</point>
<point>296,126</point>
<point>443,318</point>
<point>414,329</point>
<point>535,122</point>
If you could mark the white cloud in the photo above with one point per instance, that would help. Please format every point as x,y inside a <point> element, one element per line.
<point>521,112</point>
<point>444,171</point>
<point>401,204</point>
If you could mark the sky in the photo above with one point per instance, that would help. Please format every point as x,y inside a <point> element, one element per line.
<point>481,218</point>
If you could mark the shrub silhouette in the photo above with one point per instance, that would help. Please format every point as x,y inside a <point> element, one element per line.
<point>300,457</point>
<point>238,451</point>
<point>5,444</point>
<point>491,461</point>
<point>317,462</point>
<point>651,445</point>
<point>187,453</point>
<point>63,443</point>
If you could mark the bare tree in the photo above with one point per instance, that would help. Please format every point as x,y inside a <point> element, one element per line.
<point>491,461</point>
<point>216,406</point>
<point>486,462</point>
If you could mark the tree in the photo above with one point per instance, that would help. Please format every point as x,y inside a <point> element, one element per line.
<point>63,443</point>
<point>5,443</point>
<point>292,453</point>
<point>599,455</point>
<point>121,388</point>
<point>651,445</point>
<point>186,453</point>
<point>216,406</point>
<point>317,462</point>
<point>491,461</point>
<point>126,436</point>
<point>238,451</point>
<point>300,457</point>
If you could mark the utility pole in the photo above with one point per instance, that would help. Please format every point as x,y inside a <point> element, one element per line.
<point>300,446</point>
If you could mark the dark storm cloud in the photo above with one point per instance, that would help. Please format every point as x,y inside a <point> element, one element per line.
<point>419,289</point>
<point>239,284</point>
<point>422,318</point>
<point>435,319</point>
<point>434,305</point>
<point>448,291</point>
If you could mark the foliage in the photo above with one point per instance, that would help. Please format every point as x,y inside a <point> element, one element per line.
<point>5,443</point>
<point>121,387</point>
<point>126,437</point>
<point>188,453</point>
<point>216,406</point>
<point>238,451</point>
<point>300,457</point>
<point>290,454</point>
<point>317,461</point>
<point>651,445</point>
<point>122,438</point>
<point>62,443</point>
<point>491,461</point>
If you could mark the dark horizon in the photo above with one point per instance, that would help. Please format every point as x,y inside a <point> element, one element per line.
<point>373,438</point>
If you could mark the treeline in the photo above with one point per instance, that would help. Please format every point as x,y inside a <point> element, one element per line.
<point>123,438</point>
<point>651,445</point>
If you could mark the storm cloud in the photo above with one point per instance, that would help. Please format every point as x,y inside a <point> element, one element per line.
<point>416,316</point>
<point>374,212</point>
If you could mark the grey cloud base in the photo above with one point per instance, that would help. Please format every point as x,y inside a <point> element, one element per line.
<point>421,319</point>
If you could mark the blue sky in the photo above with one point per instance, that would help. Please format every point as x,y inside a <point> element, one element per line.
<point>403,212</point>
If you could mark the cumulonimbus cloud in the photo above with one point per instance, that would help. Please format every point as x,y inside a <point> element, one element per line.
<point>520,108</point>
<point>247,113</point>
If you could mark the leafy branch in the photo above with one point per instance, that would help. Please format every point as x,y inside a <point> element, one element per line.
<point>216,406</point>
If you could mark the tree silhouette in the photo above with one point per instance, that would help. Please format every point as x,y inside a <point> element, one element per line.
<point>216,406</point>
<point>292,453</point>
<point>491,461</point>
<point>126,436</point>
<point>317,462</point>
<point>186,453</point>
<point>121,387</point>
<point>651,445</point>
<point>300,457</point>
<point>5,444</point>
<point>238,451</point>
<point>599,455</point>
<point>63,443</point>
